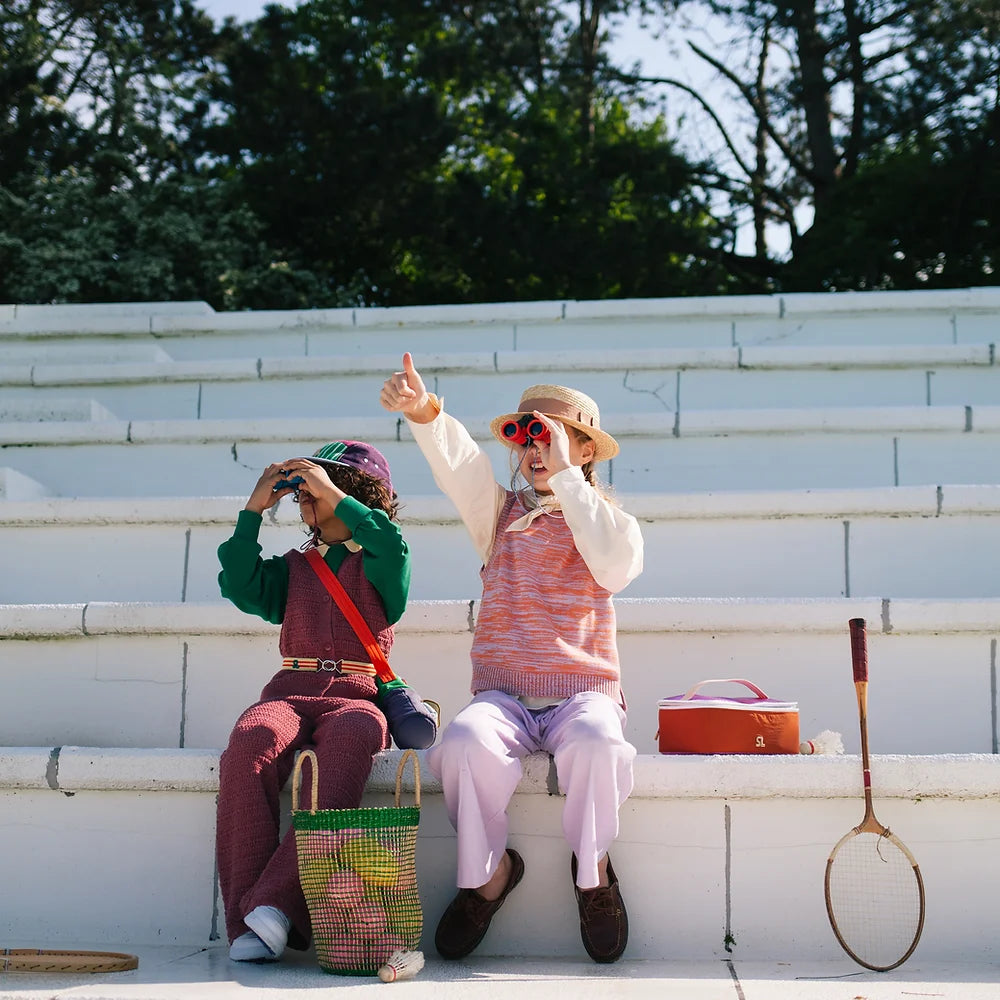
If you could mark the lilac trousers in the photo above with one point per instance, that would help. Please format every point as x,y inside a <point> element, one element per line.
<point>478,762</point>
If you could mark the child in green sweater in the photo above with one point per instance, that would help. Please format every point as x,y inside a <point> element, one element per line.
<point>324,694</point>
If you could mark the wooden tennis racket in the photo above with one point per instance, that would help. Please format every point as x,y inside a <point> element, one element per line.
<point>874,892</point>
<point>49,960</point>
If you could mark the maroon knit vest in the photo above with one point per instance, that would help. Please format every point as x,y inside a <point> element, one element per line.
<point>313,623</point>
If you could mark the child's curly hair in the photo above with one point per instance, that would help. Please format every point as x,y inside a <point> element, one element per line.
<point>370,491</point>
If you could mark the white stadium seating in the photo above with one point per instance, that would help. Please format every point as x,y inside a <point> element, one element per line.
<point>795,461</point>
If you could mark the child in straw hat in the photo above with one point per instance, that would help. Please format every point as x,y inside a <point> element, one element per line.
<point>324,694</point>
<point>545,673</point>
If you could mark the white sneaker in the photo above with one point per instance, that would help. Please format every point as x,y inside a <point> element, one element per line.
<point>249,948</point>
<point>271,926</point>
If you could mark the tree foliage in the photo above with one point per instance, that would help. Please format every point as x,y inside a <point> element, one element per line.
<point>842,96</point>
<point>101,198</point>
<point>446,152</point>
<point>387,152</point>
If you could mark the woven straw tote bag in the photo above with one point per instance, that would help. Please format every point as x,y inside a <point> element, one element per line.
<point>357,868</point>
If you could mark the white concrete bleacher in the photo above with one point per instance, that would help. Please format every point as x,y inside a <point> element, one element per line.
<point>796,461</point>
<point>758,544</point>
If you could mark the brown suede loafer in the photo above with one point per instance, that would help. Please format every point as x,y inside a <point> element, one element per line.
<point>603,918</point>
<point>467,919</point>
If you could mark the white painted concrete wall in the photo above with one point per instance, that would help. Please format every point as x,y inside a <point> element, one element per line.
<point>739,847</point>
<point>816,543</point>
<point>148,675</point>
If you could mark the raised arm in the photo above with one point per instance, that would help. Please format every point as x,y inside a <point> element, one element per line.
<point>460,467</point>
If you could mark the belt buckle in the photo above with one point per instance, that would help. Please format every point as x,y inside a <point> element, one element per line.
<point>331,666</point>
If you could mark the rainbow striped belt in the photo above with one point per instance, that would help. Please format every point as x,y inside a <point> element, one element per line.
<point>333,666</point>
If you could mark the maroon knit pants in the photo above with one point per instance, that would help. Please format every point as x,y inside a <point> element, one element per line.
<point>257,867</point>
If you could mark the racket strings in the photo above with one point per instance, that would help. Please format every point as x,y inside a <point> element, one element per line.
<point>874,898</point>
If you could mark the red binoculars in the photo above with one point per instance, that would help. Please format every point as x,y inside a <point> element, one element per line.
<point>525,431</point>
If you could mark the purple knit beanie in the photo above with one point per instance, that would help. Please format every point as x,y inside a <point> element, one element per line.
<point>357,455</point>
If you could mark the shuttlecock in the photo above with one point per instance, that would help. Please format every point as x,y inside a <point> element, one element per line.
<point>401,965</point>
<point>826,742</point>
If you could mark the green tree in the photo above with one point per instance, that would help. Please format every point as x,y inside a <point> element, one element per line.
<point>920,216</point>
<point>101,194</point>
<point>332,127</point>
<point>37,133</point>
<point>408,153</point>
<point>565,186</point>
<point>68,241</point>
<point>838,94</point>
<point>345,152</point>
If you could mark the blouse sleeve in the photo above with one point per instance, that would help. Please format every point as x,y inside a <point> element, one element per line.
<point>464,474</point>
<point>608,539</point>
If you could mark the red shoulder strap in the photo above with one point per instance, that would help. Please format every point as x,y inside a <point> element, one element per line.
<point>351,613</point>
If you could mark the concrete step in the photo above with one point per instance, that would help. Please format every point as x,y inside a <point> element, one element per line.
<point>177,973</point>
<point>17,487</point>
<point>642,380</point>
<point>921,317</point>
<point>702,450</point>
<point>816,544</point>
<point>54,408</point>
<point>76,312</point>
<point>160,675</point>
<point>24,360</point>
<point>732,832</point>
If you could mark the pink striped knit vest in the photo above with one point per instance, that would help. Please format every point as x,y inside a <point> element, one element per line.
<point>545,627</point>
<point>313,624</point>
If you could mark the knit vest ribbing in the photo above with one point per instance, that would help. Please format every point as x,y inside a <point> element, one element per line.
<point>545,627</point>
<point>313,623</point>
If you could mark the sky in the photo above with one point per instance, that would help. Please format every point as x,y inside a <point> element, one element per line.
<point>634,43</point>
<point>243,10</point>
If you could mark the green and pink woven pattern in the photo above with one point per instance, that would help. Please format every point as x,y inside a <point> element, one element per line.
<point>358,873</point>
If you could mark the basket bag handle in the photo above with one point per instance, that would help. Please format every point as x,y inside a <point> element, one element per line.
<point>310,755</point>
<point>725,680</point>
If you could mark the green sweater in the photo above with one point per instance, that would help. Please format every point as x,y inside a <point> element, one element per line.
<point>260,586</point>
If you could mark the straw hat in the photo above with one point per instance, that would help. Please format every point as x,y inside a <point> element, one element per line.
<point>568,405</point>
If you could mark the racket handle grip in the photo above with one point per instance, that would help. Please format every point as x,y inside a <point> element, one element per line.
<point>859,649</point>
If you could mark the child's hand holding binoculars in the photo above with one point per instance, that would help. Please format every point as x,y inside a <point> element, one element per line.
<point>553,444</point>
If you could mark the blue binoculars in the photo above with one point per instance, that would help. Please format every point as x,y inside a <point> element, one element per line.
<point>288,484</point>
<point>525,431</point>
